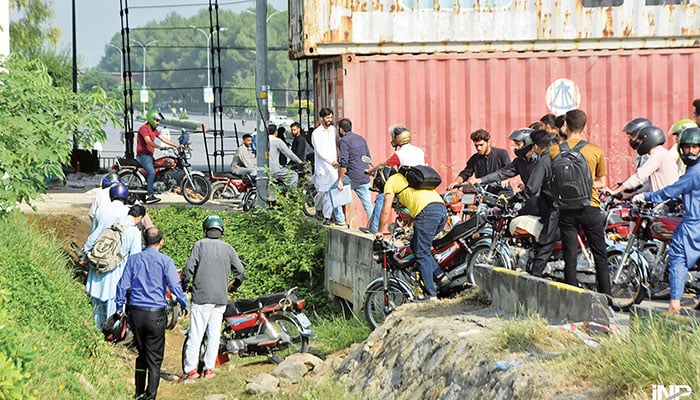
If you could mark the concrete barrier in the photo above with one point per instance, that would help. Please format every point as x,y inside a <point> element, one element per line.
<point>349,269</point>
<point>519,292</point>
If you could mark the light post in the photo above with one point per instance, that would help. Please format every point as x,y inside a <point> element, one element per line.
<point>121,58</point>
<point>144,98</point>
<point>208,37</point>
<point>267,20</point>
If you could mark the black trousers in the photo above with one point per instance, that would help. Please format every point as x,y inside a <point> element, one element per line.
<point>149,336</point>
<point>544,246</point>
<point>592,221</point>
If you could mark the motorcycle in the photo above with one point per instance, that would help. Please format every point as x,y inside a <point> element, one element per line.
<point>231,189</point>
<point>643,263</point>
<point>172,171</point>
<point>273,325</point>
<point>400,270</point>
<point>308,192</point>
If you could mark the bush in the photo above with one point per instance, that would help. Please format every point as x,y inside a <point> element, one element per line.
<point>280,247</point>
<point>47,329</point>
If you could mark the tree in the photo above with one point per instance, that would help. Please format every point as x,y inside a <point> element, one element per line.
<point>37,123</point>
<point>30,31</point>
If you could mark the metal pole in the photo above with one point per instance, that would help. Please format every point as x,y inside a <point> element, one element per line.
<point>143,84</point>
<point>261,93</point>
<point>121,57</point>
<point>208,37</point>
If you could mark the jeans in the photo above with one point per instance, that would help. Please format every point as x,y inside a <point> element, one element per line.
<point>363,193</point>
<point>374,220</point>
<point>241,171</point>
<point>149,337</point>
<point>203,317</point>
<point>592,221</point>
<point>426,225</point>
<point>101,310</point>
<point>146,162</point>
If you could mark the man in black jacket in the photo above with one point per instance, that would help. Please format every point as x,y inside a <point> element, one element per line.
<point>486,160</point>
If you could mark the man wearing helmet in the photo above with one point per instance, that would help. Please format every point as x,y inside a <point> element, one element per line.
<point>676,129</point>
<point>145,146</point>
<point>207,272</point>
<point>630,129</point>
<point>427,209</point>
<point>523,163</point>
<point>102,195</point>
<point>102,286</point>
<point>685,247</point>
<point>658,171</point>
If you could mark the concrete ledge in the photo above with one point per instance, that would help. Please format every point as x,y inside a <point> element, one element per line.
<point>518,292</point>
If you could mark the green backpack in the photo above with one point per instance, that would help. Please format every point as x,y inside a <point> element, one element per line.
<point>106,254</point>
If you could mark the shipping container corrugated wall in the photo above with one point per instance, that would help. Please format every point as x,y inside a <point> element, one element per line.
<point>323,28</point>
<point>444,97</point>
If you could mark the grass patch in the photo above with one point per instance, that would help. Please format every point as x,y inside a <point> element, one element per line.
<point>655,351</point>
<point>336,332</point>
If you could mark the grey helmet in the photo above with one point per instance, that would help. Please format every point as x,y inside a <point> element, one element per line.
<point>522,135</point>
<point>648,137</point>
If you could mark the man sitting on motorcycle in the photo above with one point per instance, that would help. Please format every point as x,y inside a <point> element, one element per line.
<point>207,270</point>
<point>429,216</point>
<point>685,247</point>
<point>145,146</point>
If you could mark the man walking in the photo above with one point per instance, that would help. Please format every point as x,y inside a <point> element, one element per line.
<point>588,217</point>
<point>208,268</point>
<point>352,169</point>
<point>146,276</point>
<point>325,162</point>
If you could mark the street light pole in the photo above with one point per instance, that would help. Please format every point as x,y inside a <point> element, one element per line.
<point>143,84</point>
<point>121,58</point>
<point>209,55</point>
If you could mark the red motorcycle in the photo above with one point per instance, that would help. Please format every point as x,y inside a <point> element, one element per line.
<point>273,325</point>
<point>172,172</point>
<point>231,188</point>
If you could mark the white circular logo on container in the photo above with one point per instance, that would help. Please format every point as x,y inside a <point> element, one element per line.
<point>563,95</point>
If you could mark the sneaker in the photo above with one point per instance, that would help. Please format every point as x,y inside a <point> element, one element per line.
<point>364,229</point>
<point>209,373</point>
<point>190,376</point>
<point>327,221</point>
<point>152,199</point>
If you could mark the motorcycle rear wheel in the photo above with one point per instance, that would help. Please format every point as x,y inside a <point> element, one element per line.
<point>133,182</point>
<point>196,191</point>
<point>629,290</point>
<point>248,201</point>
<point>374,307</point>
<point>480,255</point>
<point>224,193</point>
<point>297,344</point>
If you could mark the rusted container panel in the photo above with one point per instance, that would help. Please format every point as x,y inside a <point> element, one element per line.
<point>442,98</point>
<point>322,27</point>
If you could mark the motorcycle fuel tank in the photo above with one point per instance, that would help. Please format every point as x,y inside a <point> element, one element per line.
<point>661,228</point>
<point>165,162</point>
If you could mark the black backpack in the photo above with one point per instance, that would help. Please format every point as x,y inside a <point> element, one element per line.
<point>572,183</point>
<point>421,177</point>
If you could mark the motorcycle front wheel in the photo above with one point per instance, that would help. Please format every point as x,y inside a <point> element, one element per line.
<point>297,342</point>
<point>248,200</point>
<point>376,309</point>
<point>197,190</point>
<point>480,256</point>
<point>309,203</point>
<point>628,290</point>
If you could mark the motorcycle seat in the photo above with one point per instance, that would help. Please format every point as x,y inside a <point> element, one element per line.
<point>466,228</point>
<point>131,162</point>
<point>243,306</point>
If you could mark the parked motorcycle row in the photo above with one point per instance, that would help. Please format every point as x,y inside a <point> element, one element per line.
<point>484,229</point>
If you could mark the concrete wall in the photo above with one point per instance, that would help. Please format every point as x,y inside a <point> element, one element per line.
<point>349,269</point>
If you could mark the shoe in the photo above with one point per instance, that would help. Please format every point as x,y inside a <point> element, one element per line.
<point>209,373</point>
<point>327,221</point>
<point>367,230</point>
<point>190,376</point>
<point>442,280</point>
<point>152,199</point>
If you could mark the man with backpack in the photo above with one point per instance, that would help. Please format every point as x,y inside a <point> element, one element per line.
<point>107,248</point>
<point>429,216</point>
<point>578,170</point>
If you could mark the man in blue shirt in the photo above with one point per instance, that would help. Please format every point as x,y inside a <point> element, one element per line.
<point>147,275</point>
<point>352,168</point>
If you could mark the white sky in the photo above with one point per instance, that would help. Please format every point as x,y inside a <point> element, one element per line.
<point>98,20</point>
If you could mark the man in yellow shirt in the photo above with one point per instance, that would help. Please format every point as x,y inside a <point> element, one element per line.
<point>429,216</point>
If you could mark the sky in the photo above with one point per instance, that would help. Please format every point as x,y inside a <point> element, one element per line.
<point>98,20</point>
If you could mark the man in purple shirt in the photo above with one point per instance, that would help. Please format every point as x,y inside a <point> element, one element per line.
<point>147,275</point>
<point>352,168</point>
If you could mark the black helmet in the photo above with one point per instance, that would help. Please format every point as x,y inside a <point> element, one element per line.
<point>381,176</point>
<point>119,192</point>
<point>110,179</point>
<point>648,137</point>
<point>115,328</point>
<point>213,222</point>
<point>522,135</point>
<point>688,136</point>
<point>632,127</point>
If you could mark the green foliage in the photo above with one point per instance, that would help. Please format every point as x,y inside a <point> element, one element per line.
<point>38,123</point>
<point>30,27</point>
<point>47,329</point>
<point>280,247</point>
<point>335,332</point>
<point>655,352</point>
